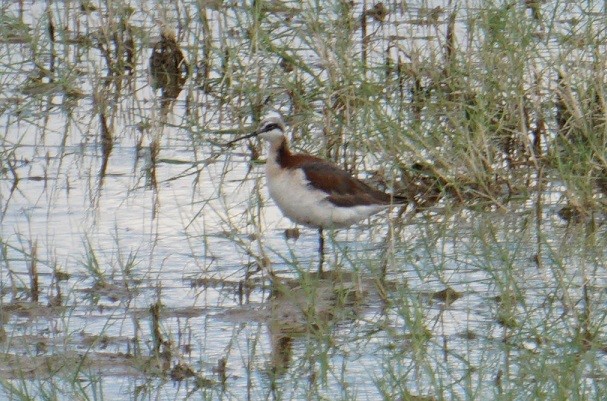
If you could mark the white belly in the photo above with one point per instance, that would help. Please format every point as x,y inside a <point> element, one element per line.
<point>308,206</point>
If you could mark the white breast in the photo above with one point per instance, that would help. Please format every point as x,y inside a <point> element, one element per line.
<point>305,205</point>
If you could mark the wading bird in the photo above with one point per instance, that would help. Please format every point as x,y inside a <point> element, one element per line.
<point>313,191</point>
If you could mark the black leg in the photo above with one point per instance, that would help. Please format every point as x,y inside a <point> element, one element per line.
<point>321,249</point>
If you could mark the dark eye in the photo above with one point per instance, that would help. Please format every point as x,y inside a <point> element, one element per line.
<point>269,127</point>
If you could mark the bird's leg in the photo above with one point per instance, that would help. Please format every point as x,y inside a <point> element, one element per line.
<point>321,249</point>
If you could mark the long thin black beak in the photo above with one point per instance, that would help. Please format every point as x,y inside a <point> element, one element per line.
<point>233,141</point>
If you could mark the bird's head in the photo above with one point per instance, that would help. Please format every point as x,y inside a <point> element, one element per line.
<point>272,129</point>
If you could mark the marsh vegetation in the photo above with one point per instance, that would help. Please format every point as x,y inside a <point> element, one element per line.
<point>141,258</point>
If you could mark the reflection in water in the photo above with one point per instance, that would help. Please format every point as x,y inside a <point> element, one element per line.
<point>282,350</point>
<point>168,68</point>
<point>310,307</point>
<point>107,144</point>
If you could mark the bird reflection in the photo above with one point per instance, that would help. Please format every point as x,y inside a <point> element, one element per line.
<point>311,305</point>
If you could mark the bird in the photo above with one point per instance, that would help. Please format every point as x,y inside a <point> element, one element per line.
<point>312,191</point>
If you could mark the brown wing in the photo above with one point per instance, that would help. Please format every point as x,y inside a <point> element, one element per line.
<point>343,189</point>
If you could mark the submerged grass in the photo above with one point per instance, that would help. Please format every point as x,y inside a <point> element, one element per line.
<point>490,116</point>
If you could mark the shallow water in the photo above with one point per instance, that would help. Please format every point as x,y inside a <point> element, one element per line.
<point>108,233</point>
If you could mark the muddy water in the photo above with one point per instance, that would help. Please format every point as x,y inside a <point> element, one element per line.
<point>132,239</point>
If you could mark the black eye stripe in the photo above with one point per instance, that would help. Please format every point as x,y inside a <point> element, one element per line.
<point>270,127</point>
